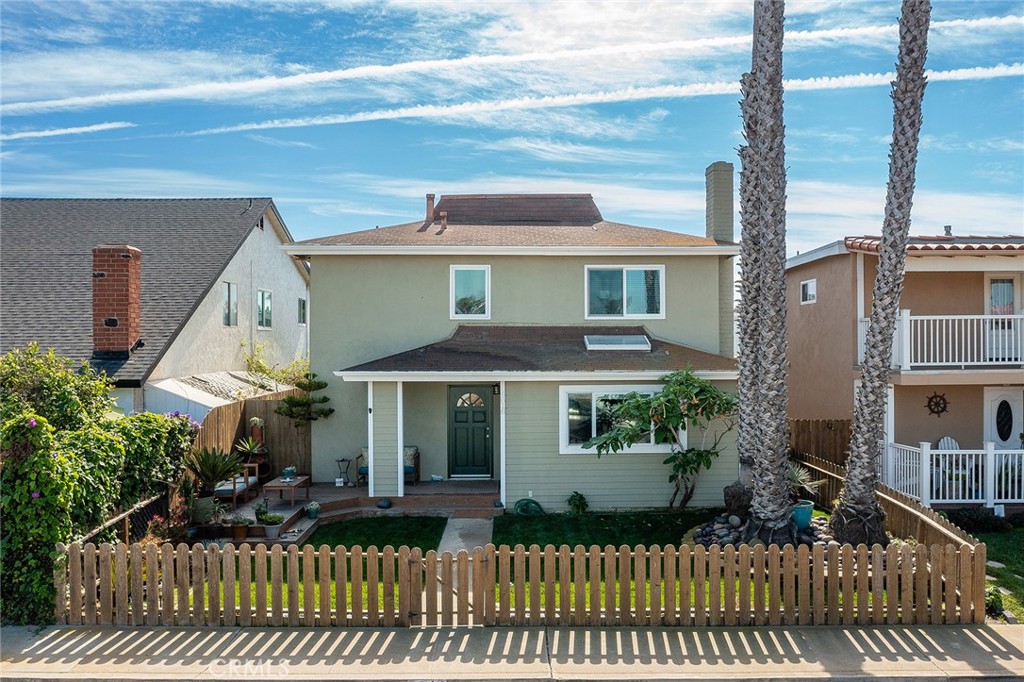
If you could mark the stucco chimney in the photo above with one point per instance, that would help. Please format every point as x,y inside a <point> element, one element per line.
<point>116,300</point>
<point>444,220</point>
<point>718,213</point>
<point>948,230</point>
<point>430,208</point>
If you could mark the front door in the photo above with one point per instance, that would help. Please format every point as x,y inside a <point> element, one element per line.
<point>1003,336</point>
<point>469,431</point>
<point>1004,417</point>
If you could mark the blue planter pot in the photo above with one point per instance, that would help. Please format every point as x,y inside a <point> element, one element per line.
<point>802,513</point>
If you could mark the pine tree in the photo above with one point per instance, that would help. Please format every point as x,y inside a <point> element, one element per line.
<point>305,408</point>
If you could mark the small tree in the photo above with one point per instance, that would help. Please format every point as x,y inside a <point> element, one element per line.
<point>684,401</point>
<point>305,408</point>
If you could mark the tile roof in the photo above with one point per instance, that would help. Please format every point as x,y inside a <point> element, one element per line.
<point>46,267</point>
<point>929,245</point>
<point>492,348</point>
<point>511,220</point>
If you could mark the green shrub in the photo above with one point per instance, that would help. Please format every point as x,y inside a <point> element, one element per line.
<point>993,602</point>
<point>1016,520</point>
<point>978,520</point>
<point>53,387</point>
<point>577,502</point>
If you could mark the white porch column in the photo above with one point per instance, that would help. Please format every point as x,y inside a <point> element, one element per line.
<point>401,440</point>
<point>904,337</point>
<point>925,474</point>
<point>501,439</point>
<point>990,474</point>
<point>369,438</point>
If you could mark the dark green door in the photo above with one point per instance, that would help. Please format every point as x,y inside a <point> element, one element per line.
<point>469,430</point>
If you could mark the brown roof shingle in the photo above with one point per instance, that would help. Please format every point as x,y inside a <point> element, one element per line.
<point>493,348</point>
<point>515,220</point>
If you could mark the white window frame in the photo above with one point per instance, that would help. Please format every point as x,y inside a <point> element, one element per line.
<point>810,286</point>
<point>452,314</point>
<point>232,303</point>
<point>564,448</point>
<point>259,308</point>
<point>303,311</point>
<point>624,315</point>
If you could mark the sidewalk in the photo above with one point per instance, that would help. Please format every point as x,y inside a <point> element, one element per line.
<point>784,653</point>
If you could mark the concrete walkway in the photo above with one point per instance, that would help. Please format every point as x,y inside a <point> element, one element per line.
<point>465,534</point>
<point>834,653</point>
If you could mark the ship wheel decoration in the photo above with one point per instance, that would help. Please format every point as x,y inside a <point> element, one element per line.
<point>937,404</point>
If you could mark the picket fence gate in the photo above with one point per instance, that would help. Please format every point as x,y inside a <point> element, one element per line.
<point>256,586</point>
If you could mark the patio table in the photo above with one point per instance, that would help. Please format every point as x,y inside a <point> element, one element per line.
<point>279,484</point>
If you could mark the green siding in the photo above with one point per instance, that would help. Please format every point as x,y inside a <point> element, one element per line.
<point>612,481</point>
<point>385,439</point>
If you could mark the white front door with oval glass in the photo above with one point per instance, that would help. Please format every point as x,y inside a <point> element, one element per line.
<point>1004,416</point>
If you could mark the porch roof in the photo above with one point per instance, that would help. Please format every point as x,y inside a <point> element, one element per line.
<point>533,350</point>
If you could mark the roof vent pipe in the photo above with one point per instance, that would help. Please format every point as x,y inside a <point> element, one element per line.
<point>444,220</point>
<point>430,208</point>
<point>948,229</point>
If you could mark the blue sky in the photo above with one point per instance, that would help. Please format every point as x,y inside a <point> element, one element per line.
<point>347,112</point>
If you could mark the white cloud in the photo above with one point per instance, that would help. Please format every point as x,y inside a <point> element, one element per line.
<point>614,54</point>
<point>467,110</point>
<point>126,182</point>
<point>57,132</point>
<point>283,144</point>
<point>548,149</point>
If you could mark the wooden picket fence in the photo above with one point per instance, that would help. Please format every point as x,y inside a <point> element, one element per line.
<point>253,586</point>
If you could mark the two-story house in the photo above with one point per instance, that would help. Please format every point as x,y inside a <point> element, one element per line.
<point>955,425</point>
<point>160,294</point>
<point>494,333</point>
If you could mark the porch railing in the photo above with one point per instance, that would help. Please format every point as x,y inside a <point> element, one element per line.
<point>987,476</point>
<point>930,341</point>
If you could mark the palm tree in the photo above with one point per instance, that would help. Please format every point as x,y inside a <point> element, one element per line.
<point>762,382</point>
<point>858,517</point>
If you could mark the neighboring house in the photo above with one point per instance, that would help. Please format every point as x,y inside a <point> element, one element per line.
<point>957,366</point>
<point>494,332</point>
<point>158,293</point>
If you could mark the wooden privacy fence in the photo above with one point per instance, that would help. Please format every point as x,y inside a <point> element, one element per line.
<point>214,586</point>
<point>905,517</point>
<point>286,445</point>
<point>827,439</point>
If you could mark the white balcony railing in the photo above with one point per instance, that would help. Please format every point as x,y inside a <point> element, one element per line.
<point>987,476</point>
<point>953,341</point>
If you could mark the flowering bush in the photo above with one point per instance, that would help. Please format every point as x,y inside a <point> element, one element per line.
<point>66,464</point>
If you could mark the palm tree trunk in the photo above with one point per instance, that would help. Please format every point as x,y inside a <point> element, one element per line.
<point>765,215</point>
<point>858,517</point>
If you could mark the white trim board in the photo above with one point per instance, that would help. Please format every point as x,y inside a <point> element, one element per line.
<point>491,377</point>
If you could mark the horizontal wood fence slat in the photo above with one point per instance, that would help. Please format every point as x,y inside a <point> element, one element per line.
<point>214,586</point>
<point>827,439</point>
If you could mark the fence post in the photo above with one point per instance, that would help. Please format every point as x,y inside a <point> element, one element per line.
<point>889,463</point>
<point>925,474</point>
<point>990,474</point>
<point>904,337</point>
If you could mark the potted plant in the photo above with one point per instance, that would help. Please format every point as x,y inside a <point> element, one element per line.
<point>210,466</point>
<point>800,481</point>
<point>272,525</point>
<point>254,452</point>
<point>256,429</point>
<point>239,524</point>
<point>312,508</point>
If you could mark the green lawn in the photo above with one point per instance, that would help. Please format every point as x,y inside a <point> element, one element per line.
<point>622,528</point>
<point>1005,548</point>
<point>412,531</point>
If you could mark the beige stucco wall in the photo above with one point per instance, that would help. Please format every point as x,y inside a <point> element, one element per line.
<point>944,293</point>
<point>822,339</point>
<point>206,345</point>
<point>372,306</point>
<point>963,420</point>
<point>610,481</point>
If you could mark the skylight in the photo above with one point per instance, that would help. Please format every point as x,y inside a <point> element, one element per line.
<point>617,342</point>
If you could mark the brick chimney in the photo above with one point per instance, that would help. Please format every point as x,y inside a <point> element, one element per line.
<point>116,300</point>
<point>718,214</point>
<point>430,208</point>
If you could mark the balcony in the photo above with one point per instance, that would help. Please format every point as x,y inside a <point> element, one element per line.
<point>953,341</point>
<point>988,476</point>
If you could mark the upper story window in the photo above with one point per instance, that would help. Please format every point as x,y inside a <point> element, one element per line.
<point>625,291</point>
<point>808,291</point>
<point>585,412</point>
<point>470,292</point>
<point>264,308</point>
<point>230,304</point>
<point>302,311</point>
